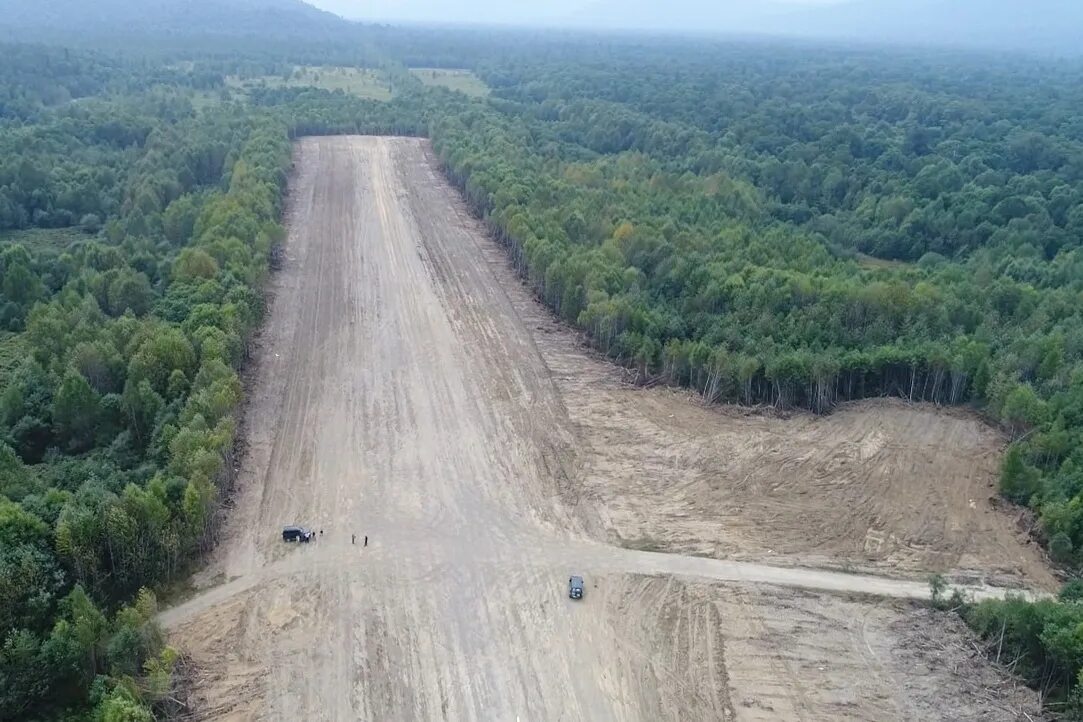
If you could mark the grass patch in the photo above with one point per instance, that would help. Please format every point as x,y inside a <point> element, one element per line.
<point>204,100</point>
<point>44,239</point>
<point>642,544</point>
<point>874,263</point>
<point>463,81</point>
<point>12,353</point>
<point>361,82</point>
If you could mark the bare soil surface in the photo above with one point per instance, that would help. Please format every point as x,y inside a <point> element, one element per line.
<point>878,486</point>
<point>410,390</point>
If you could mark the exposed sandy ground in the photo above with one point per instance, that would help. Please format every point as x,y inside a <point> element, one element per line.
<point>409,389</point>
<point>878,486</point>
<point>799,655</point>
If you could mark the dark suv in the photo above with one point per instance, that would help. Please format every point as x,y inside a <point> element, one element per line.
<point>575,587</point>
<point>297,534</point>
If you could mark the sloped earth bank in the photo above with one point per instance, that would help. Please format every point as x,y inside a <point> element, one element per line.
<point>411,391</point>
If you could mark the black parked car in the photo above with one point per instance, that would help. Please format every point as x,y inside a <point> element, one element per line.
<point>297,534</point>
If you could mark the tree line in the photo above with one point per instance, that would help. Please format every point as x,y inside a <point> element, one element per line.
<point>117,426</point>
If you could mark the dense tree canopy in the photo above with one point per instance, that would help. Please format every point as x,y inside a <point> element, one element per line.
<point>116,423</point>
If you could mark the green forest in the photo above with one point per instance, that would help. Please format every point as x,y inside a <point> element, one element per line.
<point>125,321</point>
<point>790,227</point>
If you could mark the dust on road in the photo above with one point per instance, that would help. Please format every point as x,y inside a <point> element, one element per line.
<point>409,389</point>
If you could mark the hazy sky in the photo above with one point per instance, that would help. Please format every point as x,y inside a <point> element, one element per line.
<point>483,11</point>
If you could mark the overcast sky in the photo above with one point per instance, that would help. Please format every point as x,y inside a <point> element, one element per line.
<point>484,11</point>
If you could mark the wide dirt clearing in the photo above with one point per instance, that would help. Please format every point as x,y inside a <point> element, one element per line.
<point>410,390</point>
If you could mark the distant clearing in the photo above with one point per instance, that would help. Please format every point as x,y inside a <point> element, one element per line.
<point>874,263</point>
<point>207,99</point>
<point>463,81</point>
<point>362,82</point>
<point>44,239</point>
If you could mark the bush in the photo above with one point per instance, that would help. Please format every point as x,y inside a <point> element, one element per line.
<point>1043,639</point>
<point>1060,548</point>
<point>90,223</point>
<point>1072,591</point>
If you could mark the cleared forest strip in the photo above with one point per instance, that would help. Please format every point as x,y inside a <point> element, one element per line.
<point>412,393</point>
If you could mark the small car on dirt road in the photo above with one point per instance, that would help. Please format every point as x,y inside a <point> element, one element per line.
<point>297,534</point>
<point>575,587</point>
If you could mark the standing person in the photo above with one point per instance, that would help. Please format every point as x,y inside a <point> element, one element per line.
<point>353,538</point>
<point>366,540</point>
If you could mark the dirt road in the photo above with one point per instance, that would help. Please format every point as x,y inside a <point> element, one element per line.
<point>410,391</point>
<point>595,559</point>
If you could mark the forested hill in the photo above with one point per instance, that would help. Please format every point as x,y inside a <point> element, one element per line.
<point>23,19</point>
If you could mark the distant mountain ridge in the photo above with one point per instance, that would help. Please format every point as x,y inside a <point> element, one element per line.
<point>1042,26</point>
<point>1054,26</point>
<point>45,18</point>
<point>1038,26</point>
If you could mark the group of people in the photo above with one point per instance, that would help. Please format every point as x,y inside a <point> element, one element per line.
<point>353,538</point>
